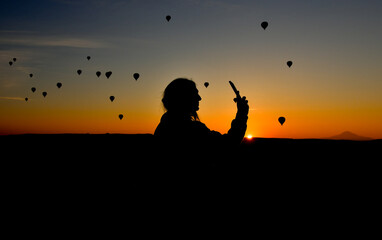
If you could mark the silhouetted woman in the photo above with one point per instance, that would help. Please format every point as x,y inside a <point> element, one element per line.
<point>181,123</point>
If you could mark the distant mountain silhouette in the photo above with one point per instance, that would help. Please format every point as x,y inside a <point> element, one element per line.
<point>349,136</point>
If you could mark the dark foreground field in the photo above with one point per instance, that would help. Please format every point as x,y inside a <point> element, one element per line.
<point>140,160</point>
<point>70,173</point>
<point>122,153</point>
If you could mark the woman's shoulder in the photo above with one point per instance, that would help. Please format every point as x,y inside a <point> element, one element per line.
<point>202,128</point>
<point>200,125</point>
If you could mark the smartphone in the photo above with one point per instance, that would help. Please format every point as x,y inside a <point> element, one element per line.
<point>234,89</point>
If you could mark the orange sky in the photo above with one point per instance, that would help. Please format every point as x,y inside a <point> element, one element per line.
<point>334,84</point>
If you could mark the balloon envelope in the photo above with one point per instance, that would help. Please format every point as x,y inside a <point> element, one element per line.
<point>33,89</point>
<point>168,18</point>
<point>10,63</point>
<point>98,73</point>
<point>289,63</point>
<point>112,98</point>
<point>14,59</point>
<point>59,84</point>
<point>26,99</point>
<point>120,116</point>
<point>30,75</point>
<point>79,71</point>
<point>88,58</point>
<point>264,25</point>
<point>281,120</point>
<point>108,74</point>
<point>136,76</point>
<point>206,84</point>
<point>44,94</point>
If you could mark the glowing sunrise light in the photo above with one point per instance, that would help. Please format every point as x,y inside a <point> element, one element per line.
<point>249,137</point>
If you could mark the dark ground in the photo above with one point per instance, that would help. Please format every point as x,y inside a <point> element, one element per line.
<point>70,173</point>
<point>133,156</point>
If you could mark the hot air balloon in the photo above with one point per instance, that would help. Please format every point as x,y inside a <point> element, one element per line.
<point>33,89</point>
<point>79,71</point>
<point>206,84</point>
<point>112,98</point>
<point>136,76</point>
<point>289,63</point>
<point>26,99</point>
<point>88,58</point>
<point>59,85</point>
<point>98,73</point>
<point>44,94</point>
<point>30,75</point>
<point>120,116</point>
<point>281,120</point>
<point>108,74</point>
<point>168,18</point>
<point>264,25</point>
<point>14,59</point>
<point>10,63</point>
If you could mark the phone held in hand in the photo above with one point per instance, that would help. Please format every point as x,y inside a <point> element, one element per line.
<point>234,89</point>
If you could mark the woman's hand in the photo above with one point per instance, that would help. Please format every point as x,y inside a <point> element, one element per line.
<point>242,105</point>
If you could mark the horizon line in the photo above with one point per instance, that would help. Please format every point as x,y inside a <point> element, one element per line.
<point>244,139</point>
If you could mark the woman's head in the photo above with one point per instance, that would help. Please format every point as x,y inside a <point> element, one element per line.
<point>181,96</point>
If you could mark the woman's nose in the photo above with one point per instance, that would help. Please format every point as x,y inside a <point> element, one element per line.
<point>199,98</point>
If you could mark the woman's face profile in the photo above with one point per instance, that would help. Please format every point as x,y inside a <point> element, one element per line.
<point>195,99</point>
<point>181,96</point>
